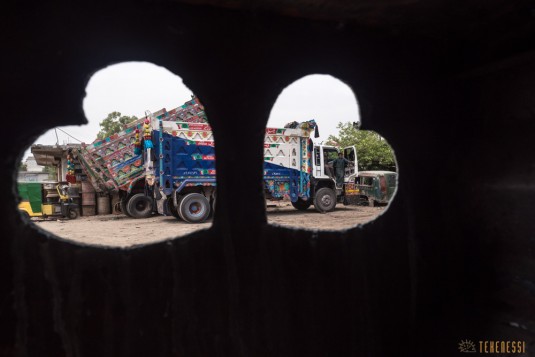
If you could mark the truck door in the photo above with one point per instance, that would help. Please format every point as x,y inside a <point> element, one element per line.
<point>350,153</point>
<point>317,164</point>
<point>329,155</point>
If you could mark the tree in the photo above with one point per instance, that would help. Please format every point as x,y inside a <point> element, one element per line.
<point>23,166</point>
<point>373,152</point>
<point>113,123</point>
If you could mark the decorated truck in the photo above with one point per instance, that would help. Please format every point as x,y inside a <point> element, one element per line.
<point>301,171</point>
<point>116,164</point>
<point>165,163</point>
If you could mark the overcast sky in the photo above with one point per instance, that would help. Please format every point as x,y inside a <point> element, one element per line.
<point>133,87</point>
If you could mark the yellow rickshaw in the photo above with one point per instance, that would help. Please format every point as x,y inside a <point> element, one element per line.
<point>35,202</point>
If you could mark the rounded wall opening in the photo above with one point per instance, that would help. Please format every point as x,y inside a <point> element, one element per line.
<point>321,171</point>
<point>99,184</point>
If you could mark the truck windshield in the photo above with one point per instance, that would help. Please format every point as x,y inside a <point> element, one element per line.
<point>330,154</point>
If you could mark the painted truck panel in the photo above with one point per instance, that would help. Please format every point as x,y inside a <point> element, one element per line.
<point>183,161</point>
<point>112,164</point>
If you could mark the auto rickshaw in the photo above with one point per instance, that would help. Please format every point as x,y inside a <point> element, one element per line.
<point>35,202</point>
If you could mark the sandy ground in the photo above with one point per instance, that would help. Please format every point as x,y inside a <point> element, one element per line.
<point>343,217</point>
<point>122,231</point>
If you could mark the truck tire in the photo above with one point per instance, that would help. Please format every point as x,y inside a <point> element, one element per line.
<point>139,206</point>
<point>178,201</point>
<point>124,206</point>
<point>194,208</point>
<point>171,207</point>
<point>325,200</point>
<point>72,213</point>
<point>302,205</point>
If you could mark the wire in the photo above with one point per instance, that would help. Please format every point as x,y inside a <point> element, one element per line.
<point>69,135</point>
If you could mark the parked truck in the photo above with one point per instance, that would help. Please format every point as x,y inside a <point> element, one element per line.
<point>169,167</point>
<point>115,165</point>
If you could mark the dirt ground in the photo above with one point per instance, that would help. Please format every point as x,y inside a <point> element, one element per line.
<point>122,231</point>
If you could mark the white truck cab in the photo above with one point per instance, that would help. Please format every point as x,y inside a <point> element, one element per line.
<point>323,154</point>
<point>326,192</point>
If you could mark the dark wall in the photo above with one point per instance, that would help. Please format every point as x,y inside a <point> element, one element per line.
<point>451,259</point>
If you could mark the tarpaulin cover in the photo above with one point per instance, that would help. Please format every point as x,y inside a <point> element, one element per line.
<point>31,191</point>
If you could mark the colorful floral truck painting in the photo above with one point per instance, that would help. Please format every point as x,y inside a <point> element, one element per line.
<point>165,163</point>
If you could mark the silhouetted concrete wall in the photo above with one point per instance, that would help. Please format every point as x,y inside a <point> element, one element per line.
<point>452,258</point>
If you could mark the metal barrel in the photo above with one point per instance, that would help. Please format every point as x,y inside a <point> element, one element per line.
<point>103,205</point>
<point>88,210</point>
<point>87,187</point>
<point>88,199</point>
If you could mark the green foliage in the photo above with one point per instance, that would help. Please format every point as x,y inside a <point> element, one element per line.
<point>114,123</point>
<point>23,166</point>
<point>373,152</point>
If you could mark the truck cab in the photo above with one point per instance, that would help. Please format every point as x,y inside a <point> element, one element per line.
<point>326,193</point>
<point>325,154</point>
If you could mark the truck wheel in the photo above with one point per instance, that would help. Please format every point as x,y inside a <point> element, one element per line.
<point>302,204</point>
<point>26,215</point>
<point>171,208</point>
<point>72,214</point>
<point>139,206</point>
<point>325,200</point>
<point>194,208</point>
<point>124,206</point>
<point>178,202</point>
